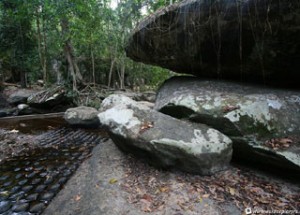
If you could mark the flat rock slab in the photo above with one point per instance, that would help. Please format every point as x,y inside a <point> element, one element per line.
<point>112,183</point>
<point>97,188</point>
<point>257,118</point>
<point>166,141</point>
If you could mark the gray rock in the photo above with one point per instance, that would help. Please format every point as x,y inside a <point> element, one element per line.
<point>24,109</point>
<point>222,39</point>
<point>250,115</point>
<point>37,208</point>
<point>116,99</point>
<point>165,141</point>
<point>138,96</point>
<point>50,99</point>
<point>20,96</point>
<point>4,206</point>
<point>82,116</point>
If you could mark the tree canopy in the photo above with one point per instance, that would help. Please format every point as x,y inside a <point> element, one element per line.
<point>75,42</point>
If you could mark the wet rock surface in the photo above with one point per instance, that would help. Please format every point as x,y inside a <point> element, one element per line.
<point>28,182</point>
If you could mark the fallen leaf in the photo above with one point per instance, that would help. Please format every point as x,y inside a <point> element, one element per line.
<point>113,181</point>
<point>147,197</point>
<point>206,195</point>
<point>145,126</point>
<point>146,205</point>
<point>77,198</point>
<point>163,189</point>
<point>231,191</point>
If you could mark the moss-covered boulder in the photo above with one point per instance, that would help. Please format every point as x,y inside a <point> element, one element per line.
<point>164,141</point>
<point>255,118</point>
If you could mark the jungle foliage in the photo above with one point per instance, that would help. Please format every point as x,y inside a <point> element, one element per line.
<point>75,42</point>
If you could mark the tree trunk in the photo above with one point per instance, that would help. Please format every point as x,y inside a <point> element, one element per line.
<point>45,52</point>
<point>110,72</point>
<point>69,54</point>
<point>41,46</point>
<point>93,66</point>
<point>121,74</point>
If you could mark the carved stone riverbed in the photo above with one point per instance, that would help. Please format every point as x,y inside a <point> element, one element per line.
<point>28,182</point>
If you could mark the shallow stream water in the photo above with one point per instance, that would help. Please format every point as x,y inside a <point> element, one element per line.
<point>28,182</point>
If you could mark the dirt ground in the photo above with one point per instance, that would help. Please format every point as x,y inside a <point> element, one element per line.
<point>12,143</point>
<point>110,182</point>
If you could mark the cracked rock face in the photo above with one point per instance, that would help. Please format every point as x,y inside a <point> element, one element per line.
<point>164,141</point>
<point>249,115</point>
<point>249,40</point>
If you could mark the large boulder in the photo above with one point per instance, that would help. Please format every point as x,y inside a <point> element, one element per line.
<point>263,123</point>
<point>82,116</point>
<point>165,141</point>
<point>243,40</point>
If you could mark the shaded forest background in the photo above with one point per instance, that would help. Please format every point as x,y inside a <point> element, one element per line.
<point>73,42</point>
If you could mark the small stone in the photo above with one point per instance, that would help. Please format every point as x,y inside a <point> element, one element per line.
<point>22,182</point>
<point>32,197</point>
<point>20,207</point>
<point>36,181</point>
<point>67,173</point>
<point>16,196</point>
<point>31,175</point>
<point>27,163</point>
<point>54,174</point>
<point>27,188</point>
<point>4,177</point>
<point>36,163</point>
<point>30,168</point>
<point>17,169</point>
<point>4,206</point>
<point>55,187</point>
<point>48,180</point>
<point>6,184</point>
<point>37,208</point>
<point>47,196</point>
<point>62,180</point>
<point>19,175</point>
<point>43,174</point>
<point>76,154</point>
<point>40,188</point>
<point>61,168</point>
<point>38,168</point>
<point>15,189</point>
<point>20,213</point>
